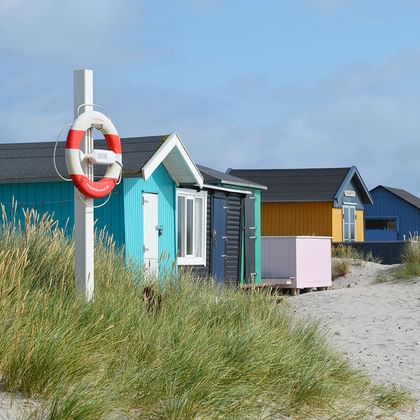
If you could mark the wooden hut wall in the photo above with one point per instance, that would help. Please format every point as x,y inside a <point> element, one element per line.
<point>233,243</point>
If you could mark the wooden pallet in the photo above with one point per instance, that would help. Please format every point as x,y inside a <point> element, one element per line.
<point>279,283</point>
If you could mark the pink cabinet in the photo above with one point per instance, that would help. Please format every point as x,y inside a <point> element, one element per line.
<point>296,262</point>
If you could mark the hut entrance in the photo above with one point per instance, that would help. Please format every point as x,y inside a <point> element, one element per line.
<point>250,237</point>
<point>218,233</point>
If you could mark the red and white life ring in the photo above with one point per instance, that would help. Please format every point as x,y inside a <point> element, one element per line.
<point>85,121</point>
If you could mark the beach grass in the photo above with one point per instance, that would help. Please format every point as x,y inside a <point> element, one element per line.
<point>410,268</point>
<point>411,258</point>
<point>346,256</point>
<point>340,267</point>
<point>347,252</point>
<point>393,396</point>
<point>202,353</point>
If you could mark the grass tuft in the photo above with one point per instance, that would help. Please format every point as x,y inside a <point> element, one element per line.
<point>411,257</point>
<point>410,268</point>
<point>344,256</point>
<point>203,352</point>
<point>392,397</point>
<point>340,267</point>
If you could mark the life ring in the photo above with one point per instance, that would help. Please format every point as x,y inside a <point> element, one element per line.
<point>85,121</point>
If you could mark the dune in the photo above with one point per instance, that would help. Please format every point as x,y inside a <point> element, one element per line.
<point>376,325</point>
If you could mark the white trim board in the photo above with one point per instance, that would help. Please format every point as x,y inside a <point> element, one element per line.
<point>162,155</point>
<point>213,187</point>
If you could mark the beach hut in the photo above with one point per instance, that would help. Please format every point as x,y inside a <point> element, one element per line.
<point>141,212</point>
<point>226,244</point>
<point>320,202</point>
<point>394,215</point>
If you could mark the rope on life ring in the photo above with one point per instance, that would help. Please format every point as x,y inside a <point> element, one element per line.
<point>84,122</point>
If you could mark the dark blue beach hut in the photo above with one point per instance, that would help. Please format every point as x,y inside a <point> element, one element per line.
<point>394,215</point>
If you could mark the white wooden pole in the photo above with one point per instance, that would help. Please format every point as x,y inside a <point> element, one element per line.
<point>83,212</point>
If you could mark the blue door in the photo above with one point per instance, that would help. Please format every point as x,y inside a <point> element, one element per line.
<point>218,239</point>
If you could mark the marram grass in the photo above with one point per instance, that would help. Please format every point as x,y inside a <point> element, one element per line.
<point>206,353</point>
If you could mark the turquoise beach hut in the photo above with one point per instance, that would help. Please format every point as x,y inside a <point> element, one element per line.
<point>141,212</point>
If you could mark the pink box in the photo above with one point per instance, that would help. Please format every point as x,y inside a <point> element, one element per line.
<point>297,262</point>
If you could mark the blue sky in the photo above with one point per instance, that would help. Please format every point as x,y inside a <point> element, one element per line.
<point>304,83</point>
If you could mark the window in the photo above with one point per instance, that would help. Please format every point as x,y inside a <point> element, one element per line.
<point>349,223</point>
<point>191,217</point>
<point>381,224</point>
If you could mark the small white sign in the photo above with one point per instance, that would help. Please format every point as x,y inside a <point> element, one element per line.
<point>349,193</point>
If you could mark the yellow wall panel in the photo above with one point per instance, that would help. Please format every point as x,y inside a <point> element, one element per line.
<point>360,231</point>
<point>337,225</point>
<point>292,219</point>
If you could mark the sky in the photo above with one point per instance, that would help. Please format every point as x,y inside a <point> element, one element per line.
<point>245,84</point>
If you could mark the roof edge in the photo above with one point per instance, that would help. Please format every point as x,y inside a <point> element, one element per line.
<point>353,171</point>
<point>390,190</point>
<point>170,143</point>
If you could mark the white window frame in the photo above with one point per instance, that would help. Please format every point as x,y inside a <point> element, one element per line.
<point>354,207</point>
<point>191,195</point>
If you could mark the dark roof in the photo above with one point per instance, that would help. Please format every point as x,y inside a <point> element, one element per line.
<point>33,162</point>
<point>403,194</point>
<point>214,177</point>
<point>295,185</point>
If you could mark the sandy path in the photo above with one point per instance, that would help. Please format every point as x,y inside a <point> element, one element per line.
<point>377,326</point>
<point>14,407</point>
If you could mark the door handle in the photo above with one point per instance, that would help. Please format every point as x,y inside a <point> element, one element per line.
<point>224,256</point>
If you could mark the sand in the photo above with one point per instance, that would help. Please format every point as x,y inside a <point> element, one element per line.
<point>15,406</point>
<point>377,326</point>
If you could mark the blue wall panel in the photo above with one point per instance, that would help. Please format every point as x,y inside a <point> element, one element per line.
<point>54,198</point>
<point>376,235</point>
<point>57,199</point>
<point>122,216</point>
<point>387,204</point>
<point>162,184</point>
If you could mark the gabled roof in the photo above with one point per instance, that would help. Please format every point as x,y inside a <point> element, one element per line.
<point>33,162</point>
<point>403,194</point>
<point>302,185</point>
<point>214,177</point>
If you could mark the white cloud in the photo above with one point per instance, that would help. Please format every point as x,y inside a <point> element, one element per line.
<point>66,30</point>
<point>27,125</point>
<point>366,116</point>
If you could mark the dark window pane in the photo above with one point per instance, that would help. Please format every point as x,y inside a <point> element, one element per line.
<point>381,224</point>
<point>190,227</point>
<point>181,226</point>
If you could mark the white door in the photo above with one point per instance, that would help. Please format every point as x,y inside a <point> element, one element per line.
<point>150,237</point>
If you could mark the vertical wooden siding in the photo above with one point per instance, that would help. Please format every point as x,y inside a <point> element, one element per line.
<point>360,231</point>
<point>337,222</point>
<point>337,225</point>
<point>162,184</point>
<point>258,266</point>
<point>292,219</point>
<point>387,204</point>
<point>57,199</point>
<point>233,232</point>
